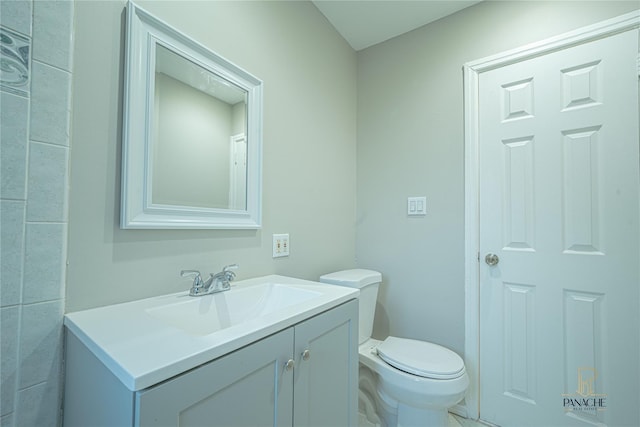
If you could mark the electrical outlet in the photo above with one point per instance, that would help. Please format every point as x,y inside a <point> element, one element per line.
<point>280,245</point>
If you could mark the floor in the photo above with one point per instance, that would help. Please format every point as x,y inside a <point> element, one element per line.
<point>454,421</point>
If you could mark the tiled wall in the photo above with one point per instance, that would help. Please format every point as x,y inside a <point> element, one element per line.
<point>34,132</point>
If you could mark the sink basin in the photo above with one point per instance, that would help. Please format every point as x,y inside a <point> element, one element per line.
<point>210,313</point>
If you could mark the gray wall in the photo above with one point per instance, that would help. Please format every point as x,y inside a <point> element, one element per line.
<point>33,217</point>
<point>410,143</point>
<point>309,75</point>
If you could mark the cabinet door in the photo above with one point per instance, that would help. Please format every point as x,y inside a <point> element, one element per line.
<point>326,373</point>
<point>249,387</point>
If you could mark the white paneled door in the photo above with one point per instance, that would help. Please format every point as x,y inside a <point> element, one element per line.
<point>559,237</point>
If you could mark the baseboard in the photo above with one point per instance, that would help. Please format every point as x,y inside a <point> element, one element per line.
<point>460,409</point>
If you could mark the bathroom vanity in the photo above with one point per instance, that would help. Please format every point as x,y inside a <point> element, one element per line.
<point>272,351</point>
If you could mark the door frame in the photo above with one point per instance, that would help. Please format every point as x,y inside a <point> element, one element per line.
<point>471,74</point>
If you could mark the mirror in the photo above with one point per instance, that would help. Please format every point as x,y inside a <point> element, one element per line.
<point>192,133</point>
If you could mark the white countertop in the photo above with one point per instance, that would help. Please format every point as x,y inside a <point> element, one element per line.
<point>142,351</point>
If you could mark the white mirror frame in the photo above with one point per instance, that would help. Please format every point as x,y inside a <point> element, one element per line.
<point>144,32</point>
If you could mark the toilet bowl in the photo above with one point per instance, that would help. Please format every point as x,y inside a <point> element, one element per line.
<point>416,382</point>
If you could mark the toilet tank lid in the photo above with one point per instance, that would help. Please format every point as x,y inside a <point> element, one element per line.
<point>355,278</point>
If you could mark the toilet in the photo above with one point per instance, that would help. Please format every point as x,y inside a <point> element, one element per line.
<point>403,382</point>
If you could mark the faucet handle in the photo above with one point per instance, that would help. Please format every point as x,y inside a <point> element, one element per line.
<point>230,267</point>
<point>197,279</point>
<point>228,271</point>
<point>198,284</point>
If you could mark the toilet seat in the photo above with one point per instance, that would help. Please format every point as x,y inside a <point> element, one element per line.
<point>421,358</point>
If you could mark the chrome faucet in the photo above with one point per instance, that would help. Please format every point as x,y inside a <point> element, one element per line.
<point>218,282</point>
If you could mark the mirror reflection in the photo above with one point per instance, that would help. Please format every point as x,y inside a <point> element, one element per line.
<point>198,143</point>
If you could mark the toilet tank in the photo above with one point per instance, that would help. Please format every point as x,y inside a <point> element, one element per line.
<point>368,282</point>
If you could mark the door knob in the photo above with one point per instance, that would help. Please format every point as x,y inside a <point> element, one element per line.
<point>306,355</point>
<point>491,259</point>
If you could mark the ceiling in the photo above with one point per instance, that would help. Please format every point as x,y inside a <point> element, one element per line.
<point>364,23</point>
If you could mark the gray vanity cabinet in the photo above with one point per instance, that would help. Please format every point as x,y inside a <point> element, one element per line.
<point>304,375</point>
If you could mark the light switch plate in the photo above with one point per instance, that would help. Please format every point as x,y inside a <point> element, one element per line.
<point>280,245</point>
<point>416,206</point>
